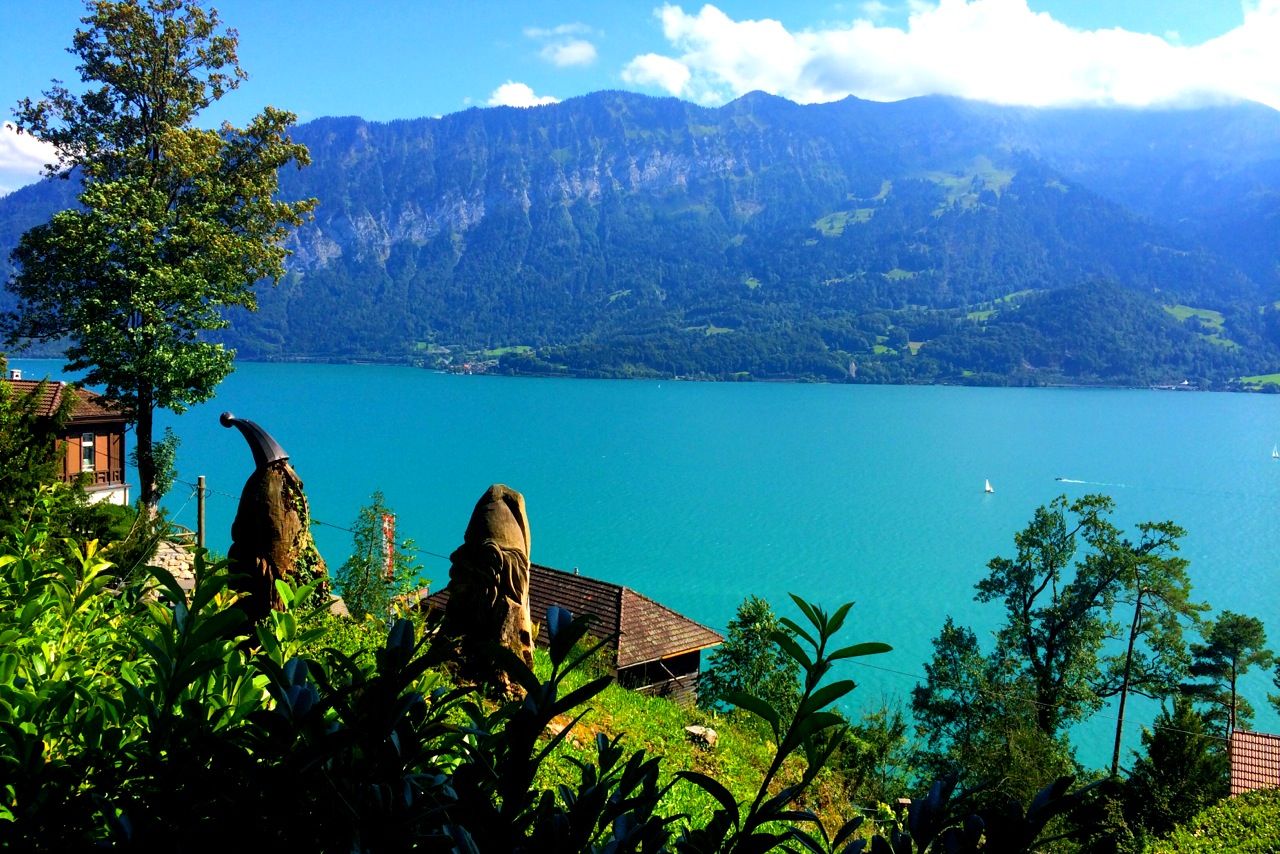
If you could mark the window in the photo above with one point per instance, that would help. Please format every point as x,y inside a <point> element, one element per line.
<point>86,452</point>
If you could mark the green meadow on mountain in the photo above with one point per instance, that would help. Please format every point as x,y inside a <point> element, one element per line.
<point>928,240</point>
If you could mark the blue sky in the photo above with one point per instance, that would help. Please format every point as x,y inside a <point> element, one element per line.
<point>387,59</point>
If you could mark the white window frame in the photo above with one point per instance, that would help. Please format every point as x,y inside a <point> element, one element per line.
<point>86,451</point>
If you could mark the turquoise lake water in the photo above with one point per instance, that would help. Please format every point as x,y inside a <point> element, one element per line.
<point>698,494</point>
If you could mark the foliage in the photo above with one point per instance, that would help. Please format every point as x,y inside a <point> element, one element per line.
<point>362,580</point>
<point>1183,771</point>
<point>1155,659</point>
<point>129,721</point>
<point>751,660</point>
<point>1234,643</point>
<point>1058,598</point>
<point>876,757</point>
<point>174,223</point>
<point>28,447</point>
<point>1246,824</point>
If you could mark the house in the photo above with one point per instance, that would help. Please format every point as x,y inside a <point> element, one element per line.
<point>92,440</point>
<point>1255,761</point>
<point>654,650</point>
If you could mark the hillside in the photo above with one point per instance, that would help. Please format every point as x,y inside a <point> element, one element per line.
<point>620,235</point>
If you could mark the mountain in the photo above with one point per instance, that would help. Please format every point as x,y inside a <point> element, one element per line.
<point>617,234</point>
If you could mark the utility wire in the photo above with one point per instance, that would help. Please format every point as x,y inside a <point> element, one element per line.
<point>917,677</point>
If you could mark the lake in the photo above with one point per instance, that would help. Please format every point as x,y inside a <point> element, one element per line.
<point>699,494</point>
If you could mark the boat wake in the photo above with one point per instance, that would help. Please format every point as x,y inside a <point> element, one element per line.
<point>1088,482</point>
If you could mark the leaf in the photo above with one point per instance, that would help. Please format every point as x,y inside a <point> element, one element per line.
<point>716,790</point>
<point>791,648</point>
<point>826,695</point>
<point>756,706</point>
<point>860,649</point>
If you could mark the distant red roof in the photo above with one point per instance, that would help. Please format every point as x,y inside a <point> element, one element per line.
<point>89,406</point>
<point>647,631</point>
<point>1255,761</point>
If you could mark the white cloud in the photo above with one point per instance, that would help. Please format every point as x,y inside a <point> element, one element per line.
<point>564,45</point>
<point>572,52</point>
<point>991,50</point>
<point>873,9</point>
<point>650,69</point>
<point>572,29</point>
<point>22,157</point>
<point>513,94</point>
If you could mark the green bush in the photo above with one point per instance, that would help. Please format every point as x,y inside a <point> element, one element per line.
<point>1246,823</point>
<point>145,719</point>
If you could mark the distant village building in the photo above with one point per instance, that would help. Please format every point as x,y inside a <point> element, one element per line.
<point>1255,761</point>
<point>92,441</point>
<point>655,650</point>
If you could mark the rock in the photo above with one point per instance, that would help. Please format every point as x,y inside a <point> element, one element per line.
<point>489,588</point>
<point>704,736</point>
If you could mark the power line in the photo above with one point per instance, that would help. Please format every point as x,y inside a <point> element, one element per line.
<point>917,677</point>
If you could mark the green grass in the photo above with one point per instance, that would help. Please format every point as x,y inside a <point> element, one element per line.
<point>502,351</point>
<point>980,316</point>
<point>1259,380</point>
<point>1207,316</point>
<point>616,295</point>
<point>833,224</point>
<point>1209,319</point>
<point>751,282</point>
<point>914,346</point>
<point>738,761</point>
<point>897,274</point>
<point>962,188</point>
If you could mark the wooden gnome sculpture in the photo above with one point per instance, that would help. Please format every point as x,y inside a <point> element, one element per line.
<point>489,587</point>
<point>271,534</point>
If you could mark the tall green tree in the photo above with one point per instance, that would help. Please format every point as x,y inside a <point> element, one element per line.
<point>363,581</point>
<point>175,222</point>
<point>1234,643</point>
<point>751,661</point>
<point>1058,591</point>
<point>1158,590</point>
<point>1183,770</point>
<point>976,721</point>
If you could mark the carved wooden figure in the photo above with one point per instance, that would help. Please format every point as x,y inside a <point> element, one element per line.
<point>489,587</point>
<point>271,534</point>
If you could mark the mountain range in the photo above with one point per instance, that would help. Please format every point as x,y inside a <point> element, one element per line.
<point>932,239</point>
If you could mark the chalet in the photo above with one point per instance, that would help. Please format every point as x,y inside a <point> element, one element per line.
<point>654,650</point>
<point>92,440</point>
<point>1255,761</point>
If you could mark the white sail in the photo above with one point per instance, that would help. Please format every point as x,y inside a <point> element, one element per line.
<point>987,487</point>
<point>1275,452</point>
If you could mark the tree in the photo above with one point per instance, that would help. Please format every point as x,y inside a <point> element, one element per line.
<point>28,446</point>
<point>976,722</point>
<point>1059,611</point>
<point>751,661</point>
<point>363,580</point>
<point>1233,644</point>
<point>1155,658</point>
<point>1183,771</point>
<point>175,223</point>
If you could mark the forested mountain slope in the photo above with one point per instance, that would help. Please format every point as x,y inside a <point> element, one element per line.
<point>618,234</point>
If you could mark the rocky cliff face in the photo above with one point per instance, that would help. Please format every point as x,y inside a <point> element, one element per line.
<point>614,213</point>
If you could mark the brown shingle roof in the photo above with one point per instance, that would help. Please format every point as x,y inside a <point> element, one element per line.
<point>1255,761</point>
<point>647,631</point>
<point>89,405</point>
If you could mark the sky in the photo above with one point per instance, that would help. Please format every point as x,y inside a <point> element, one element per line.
<point>390,59</point>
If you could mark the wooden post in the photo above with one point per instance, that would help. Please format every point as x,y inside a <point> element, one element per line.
<point>200,512</point>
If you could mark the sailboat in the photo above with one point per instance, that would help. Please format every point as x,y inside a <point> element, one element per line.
<point>987,487</point>
<point>1275,452</point>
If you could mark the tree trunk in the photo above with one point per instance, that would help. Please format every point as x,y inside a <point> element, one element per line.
<point>1124,683</point>
<point>146,453</point>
